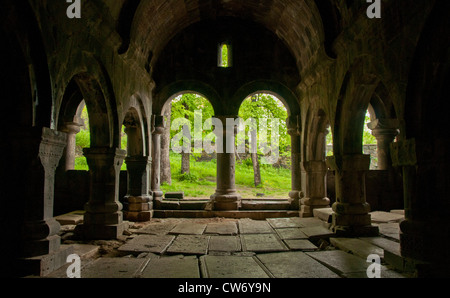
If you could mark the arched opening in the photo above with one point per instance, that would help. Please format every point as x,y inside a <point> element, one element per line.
<point>263,155</point>
<point>188,166</point>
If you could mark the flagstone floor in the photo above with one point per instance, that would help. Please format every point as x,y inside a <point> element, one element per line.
<point>238,248</point>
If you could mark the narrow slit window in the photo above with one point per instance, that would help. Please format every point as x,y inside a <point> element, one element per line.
<point>225,55</point>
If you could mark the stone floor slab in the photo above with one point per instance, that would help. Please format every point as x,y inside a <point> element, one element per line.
<point>248,226</point>
<point>72,218</point>
<point>307,222</point>
<point>385,217</point>
<point>222,228</point>
<point>300,244</point>
<point>294,265</point>
<point>113,268</point>
<point>231,267</point>
<point>277,223</point>
<point>224,244</point>
<point>262,243</point>
<point>384,243</point>
<point>187,228</point>
<point>357,247</point>
<point>147,244</point>
<point>324,214</point>
<point>172,267</point>
<point>160,228</point>
<point>317,232</point>
<point>340,261</point>
<point>189,245</point>
<point>391,230</point>
<point>291,233</point>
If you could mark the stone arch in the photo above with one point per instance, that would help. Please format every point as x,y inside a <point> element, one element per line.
<point>283,93</point>
<point>169,92</point>
<point>316,140</point>
<point>354,97</point>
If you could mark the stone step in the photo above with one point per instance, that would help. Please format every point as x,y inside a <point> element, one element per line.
<point>252,214</point>
<point>266,205</point>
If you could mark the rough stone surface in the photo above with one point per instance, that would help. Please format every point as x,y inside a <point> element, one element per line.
<point>294,265</point>
<point>291,233</point>
<point>172,267</point>
<point>357,247</point>
<point>189,245</point>
<point>224,244</point>
<point>254,227</point>
<point>340,262</point>
<point>386,217</point>
<point>148,243</point>
<point>262,243</point>
<point>231,267</point>
<point>223,228</point>
<point>283,223</point>
<point>114,268</point>
<point>300,244</point>
<point>188,229</point>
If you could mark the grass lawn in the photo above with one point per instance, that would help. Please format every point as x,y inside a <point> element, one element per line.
<point>201,182</point>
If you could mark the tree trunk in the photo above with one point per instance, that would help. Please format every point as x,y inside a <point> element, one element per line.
<point>166,175</point>
<point>255,161</point>
<point>185,156</point>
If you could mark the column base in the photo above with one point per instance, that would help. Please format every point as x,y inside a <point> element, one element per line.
<point>43,265</point>
<point>49,245</point>
<point>295,196</point>
<point>138,208</point>
<point>353,225</point>
<point>101,232</point>
<point>308,205</point>
<point>226,202</point>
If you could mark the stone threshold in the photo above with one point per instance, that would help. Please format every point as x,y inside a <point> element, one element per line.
<point>256,215</point>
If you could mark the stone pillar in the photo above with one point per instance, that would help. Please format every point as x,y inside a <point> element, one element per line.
<point>226,196</point>
<point>36,153</point>
<point>158,125</point>
<point>315,188</point>
<point>71,129</point>
<point>103,219</point>
<point>351,211</point>
<point>138,204</point>
<point>385,131</point>
<point>294,131</point>
<point>424,232</point>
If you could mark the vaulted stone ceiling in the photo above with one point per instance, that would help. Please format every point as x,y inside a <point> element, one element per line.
<point>153,23</point>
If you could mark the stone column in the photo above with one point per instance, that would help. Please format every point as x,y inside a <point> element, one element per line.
<point>138,204</point>
<point>34,156</point>
<point>351,211</point>
<point>103,219</point>
<point>41,229</point>
<point>315,188</point>
<point>158,126</point>
<point>71,129</point>
<point>424,232</point>
<point>294,131</point>
<point>385,131</point>
<point>226,196</point>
